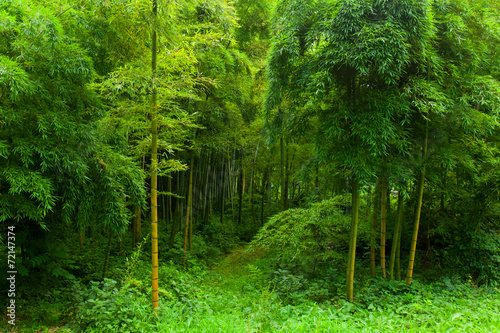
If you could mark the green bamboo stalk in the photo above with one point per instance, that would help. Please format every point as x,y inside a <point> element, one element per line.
<point>383,224</point>
<point>352,243</point>
<point>397,234</point>
<point>374,228</point>
<point>190,195</point>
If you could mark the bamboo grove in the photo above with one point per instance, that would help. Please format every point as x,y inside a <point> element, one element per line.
<point>331,133</point>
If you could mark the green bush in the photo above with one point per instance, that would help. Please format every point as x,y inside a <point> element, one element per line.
<point>307,237</point>
<point>107,307</point>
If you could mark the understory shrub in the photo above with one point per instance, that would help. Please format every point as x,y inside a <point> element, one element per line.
<point>305,237</point>
<point>106,306</point>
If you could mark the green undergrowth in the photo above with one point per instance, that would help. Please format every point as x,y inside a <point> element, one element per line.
<point>237,295</point>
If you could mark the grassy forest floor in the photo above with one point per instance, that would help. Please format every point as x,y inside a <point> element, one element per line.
<point>234,296</point>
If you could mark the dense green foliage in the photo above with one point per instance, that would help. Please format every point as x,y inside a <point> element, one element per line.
<point>236,296</point>
<point>280,110</point>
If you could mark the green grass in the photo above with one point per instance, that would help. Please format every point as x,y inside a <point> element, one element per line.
<point>234,296</point>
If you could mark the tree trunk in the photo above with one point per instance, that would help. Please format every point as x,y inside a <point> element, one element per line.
<point>287,176</point>
<point>374,227</point>
<point>397,234</point>
<point>398,256</point>
<point>188,209</point>
<point>137,225</point>
<point>175,218</point>
<point>317,177</point>
<point>240,190</point>
<point>223,193</point>
<point>169,200</point>
<point>191,221</point>
<point>352,243</point>
<point>206,187</point>
<point>154,171</point>
<point>383,202</point>
<point>270,189</point>
<point>252,187</point>
<point>163,206</point>
<point>420,192</point>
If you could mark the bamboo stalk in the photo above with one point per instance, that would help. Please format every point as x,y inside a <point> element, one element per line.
<point>154,171</point>
<point>252,187</point>
<point>191,215</point>
<point>188,207</point>
<point>223,193</point>
<point>374,228</point>
<point>240,190</point>
<point>352,242</point>
<point>409,274</point>
<point>383,202</point>
<point>397,234</point>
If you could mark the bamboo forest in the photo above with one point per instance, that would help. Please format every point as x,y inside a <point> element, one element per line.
<point>250,166</point>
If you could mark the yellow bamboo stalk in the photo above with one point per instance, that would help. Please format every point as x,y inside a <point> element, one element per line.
<point>352,243</point>
<point>411,262</point>
<point>154,172</point>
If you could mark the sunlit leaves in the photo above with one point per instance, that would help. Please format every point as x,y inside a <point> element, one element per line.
<point>13,80</point>
<point>52,156</point>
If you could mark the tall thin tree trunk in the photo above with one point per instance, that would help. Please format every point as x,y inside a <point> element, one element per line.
<point>188,207</point>
<point>175,217</point>
<point>154,166</point>
<point>170,199</point>
<point>352,243</point>
<point>413,248</point>
<point>191,221</point>
<point>270,189</point>
<point>317,177</point>
<point>383,202</point>
<point>163,206</point>
<point>252,187</point>
<point>223,193</point>
<point>240,191</point>
<point>244,182</point>
<point>136,225</point>
<point>232,181</point>
<point>287,175</point>
<point>207,184</point>
<point>397,234</point>
<point>388,202</point>
<point>374,227</point>
<point>398,256</point>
